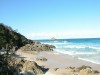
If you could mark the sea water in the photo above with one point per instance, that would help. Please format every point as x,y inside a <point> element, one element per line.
<point>87,49</point>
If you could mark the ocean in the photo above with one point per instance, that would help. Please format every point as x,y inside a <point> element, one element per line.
<point>87,49</point>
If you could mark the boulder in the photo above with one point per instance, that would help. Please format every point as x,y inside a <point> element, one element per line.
<point>24,67</point>
<point>41,59</point>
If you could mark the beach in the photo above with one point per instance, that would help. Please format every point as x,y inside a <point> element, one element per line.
<point>56,61</point>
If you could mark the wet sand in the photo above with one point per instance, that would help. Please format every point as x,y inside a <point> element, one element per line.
<point>57,60</point>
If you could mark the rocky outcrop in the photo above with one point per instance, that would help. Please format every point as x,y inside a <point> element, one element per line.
<point>12,40</point>
<point>19,66</point>
<point>23,67</point>
<point>36,46</point>
<point>83,70</point>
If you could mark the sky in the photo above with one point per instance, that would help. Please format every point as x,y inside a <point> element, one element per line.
<point>44,19</point>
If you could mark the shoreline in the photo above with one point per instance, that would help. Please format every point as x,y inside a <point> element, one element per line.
<point>80,58</point>
<point>57,60</point>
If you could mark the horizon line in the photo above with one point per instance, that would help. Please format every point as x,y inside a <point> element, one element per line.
<point>71,38</point>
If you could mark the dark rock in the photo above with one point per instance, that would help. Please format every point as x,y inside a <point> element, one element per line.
<point>55,69</point>
<point>37,47</point>
<point>83,67</point>
<point>41,59</point>
<point>95,71</point>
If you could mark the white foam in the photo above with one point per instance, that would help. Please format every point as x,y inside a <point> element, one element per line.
<point>79,46</point>
<point>65,52</point>
<point>78,49</point>
<point>65,42</point>
<point>74,53</point>
<point>71,46</point>
<point>79,53</point>
<point>96,48</point>
<point>88,60</point>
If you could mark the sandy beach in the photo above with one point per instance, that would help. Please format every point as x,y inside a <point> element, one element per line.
<point>57,61</point>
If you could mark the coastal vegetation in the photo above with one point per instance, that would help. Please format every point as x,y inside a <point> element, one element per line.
<point>10,39</point>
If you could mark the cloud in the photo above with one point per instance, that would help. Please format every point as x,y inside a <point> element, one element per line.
<point>47,35</point>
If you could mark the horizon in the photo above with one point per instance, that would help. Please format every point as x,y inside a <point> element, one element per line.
<point>62,19</point>
<point>69,38</point>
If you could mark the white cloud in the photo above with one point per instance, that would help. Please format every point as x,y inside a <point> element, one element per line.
<point>80,34</point>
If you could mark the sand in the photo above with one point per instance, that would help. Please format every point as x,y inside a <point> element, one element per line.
<point>56,60</point>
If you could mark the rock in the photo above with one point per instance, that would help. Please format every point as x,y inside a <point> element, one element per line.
<point>41,59</point>
<point>86,71</point>
<point>31,67</point>
<point>55,69</point>
<point>21,66</point>
<point>83,70</point>
<point>83,67</point>
<point>37,47</point>
<point>70,69</point>
<point>96,72</point>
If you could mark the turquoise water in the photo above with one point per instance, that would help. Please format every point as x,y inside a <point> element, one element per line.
<point>87,49</point>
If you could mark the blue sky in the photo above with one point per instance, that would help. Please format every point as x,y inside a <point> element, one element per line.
<point>43,19</point>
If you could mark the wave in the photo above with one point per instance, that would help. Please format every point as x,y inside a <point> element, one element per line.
<point>86,50</point>
<point>71,46</point>
<point>77,55</point>
<point>89,60</point>
<point>64,52</point>
<point>81,53</point>
<point>79,47</point>
<point>74,53</point>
